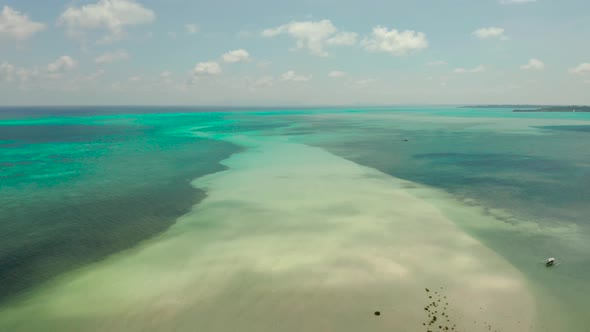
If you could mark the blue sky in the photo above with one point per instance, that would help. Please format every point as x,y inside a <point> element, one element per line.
<point>263,52</point>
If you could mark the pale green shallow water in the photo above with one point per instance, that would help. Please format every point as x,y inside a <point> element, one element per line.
<point>296,234</point>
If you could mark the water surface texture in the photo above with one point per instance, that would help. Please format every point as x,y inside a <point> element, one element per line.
<point>139,219</point>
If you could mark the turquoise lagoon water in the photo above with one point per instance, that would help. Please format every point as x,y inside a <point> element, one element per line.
<point>76,189</point>
<point>80,185</point>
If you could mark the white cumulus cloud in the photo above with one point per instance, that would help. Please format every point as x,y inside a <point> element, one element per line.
<point>6,71</point>
<point>294,77</point>
<point>394,41</point>
<point>366,81</point>
<point>263,63</point>
<point>533,64</point>
<point>96,75</point>
<point>264,82</point>
<point>191,28</point>
<point>236,56</point>
<point>29,74</point>
<point>111,57</point>
<point>477,69</point>
<point>436,63</point>
<point>491,32</point>
<point>208,68</point>
<point>581,69</point>
<point>62,64</point>
<point>112,15</point>
<point>313,35</point>
<point>16,25</point>
<point>52,71</point>
<point>343,38</point>
<point>336,74</point>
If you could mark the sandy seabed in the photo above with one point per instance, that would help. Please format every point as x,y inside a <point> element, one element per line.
<point>291,238</point>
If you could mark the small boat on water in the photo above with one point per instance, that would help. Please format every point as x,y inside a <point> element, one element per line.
<point>550,262</point>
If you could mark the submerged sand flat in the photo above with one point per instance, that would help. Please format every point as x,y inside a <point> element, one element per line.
<point>291,238</point>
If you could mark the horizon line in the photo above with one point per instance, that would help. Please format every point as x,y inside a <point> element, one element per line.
<point>287,106</point>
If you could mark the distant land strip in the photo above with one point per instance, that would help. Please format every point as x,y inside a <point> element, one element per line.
<point>557,109</point>
<point>504,106</point>
<point>535,108</point>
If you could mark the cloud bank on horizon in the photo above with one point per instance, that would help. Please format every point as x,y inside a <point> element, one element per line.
<point>148,51</point>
